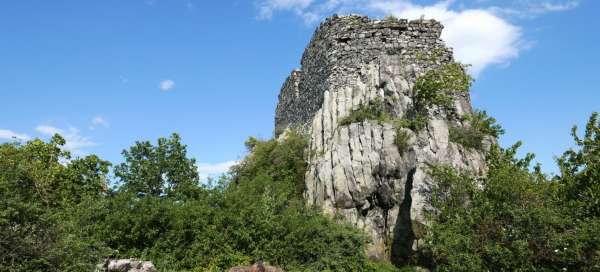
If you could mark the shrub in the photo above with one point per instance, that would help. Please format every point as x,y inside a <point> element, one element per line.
<point>38,185</point>
<point>256,213</point>
<point>393,51</point>
<point>438,86</point>
<point>516,220</point>
<point>401,140</point>
<point>391,18</point>
<point>466,136</point>
<point>373,110</point>
<point>478,127</point>
<point>418,123</point>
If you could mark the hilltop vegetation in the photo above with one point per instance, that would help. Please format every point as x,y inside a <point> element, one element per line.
<point>59,214</point>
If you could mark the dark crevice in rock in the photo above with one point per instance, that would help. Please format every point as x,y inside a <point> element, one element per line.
<point>403,233</point>
<point>342,40</point>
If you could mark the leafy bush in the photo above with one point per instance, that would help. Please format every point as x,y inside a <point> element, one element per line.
<point>393,51</point>
<point>255,214</point>
<point>373,110</point>
<point>418,123</point>
<point>438,86</point>
<point>38,184</point>
<point>401,140</point>
<point>479,126</point>
<point>516,220</point>
<point>391,18</point>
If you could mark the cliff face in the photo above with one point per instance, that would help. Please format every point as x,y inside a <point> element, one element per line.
<point>357,170</point>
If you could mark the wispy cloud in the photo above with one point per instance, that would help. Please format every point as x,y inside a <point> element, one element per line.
<point>268,7</point>
<point>11,135</point>
<point>533,9</point>
<point>75,142</point>
<point>99,121</point>
<point>166,84</point>
<point>188,3</point>
<point>206,170</point>
<point>479,33</point>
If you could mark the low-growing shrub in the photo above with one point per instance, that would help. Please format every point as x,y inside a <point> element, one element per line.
<point>393,51</point>
<point>416,124</point>
<point>478,127</point>
<point>466,136</point>
<point>402,140</point>
<point>391,18</point>
<point>373,110</point>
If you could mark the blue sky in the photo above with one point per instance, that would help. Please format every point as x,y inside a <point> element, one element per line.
<point>108,73</point>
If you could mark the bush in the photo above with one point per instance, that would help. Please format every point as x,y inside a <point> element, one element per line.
<point>438,86</point>
<point>478,127</point>
<point>373,110</point>
<point>467,137</point>
<point>416,124</point>
<point>516,220</point>
<point>391,18</point>
<point>257,213</point>
<point>38,186</point>
<point>401,140</point>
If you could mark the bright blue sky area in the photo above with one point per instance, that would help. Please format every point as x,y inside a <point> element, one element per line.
<point>99,71</point>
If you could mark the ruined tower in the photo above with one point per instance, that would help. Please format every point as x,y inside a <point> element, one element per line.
<point>357,170</point>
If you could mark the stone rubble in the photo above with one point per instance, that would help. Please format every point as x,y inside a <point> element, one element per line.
<point>126,265</point>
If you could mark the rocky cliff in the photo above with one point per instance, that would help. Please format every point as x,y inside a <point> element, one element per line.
<point>357,170</point>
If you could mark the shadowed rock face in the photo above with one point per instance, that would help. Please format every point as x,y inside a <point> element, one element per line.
<point>357,170</point>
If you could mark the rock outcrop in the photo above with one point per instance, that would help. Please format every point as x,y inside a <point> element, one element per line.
<point>257,267</point>
<point>357,170</point>
<point>126,265</point>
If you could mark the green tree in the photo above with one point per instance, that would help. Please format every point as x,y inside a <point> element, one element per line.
<point>161,170</point>
<point>38,184</point>
<point>580,171</point>
<point>513,219</point>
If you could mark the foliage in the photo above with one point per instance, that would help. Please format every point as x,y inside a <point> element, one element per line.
<point>38,184</point>
<point>418,123</point>
<point>402,140</point>
<point>438,86</point>
<point>393,51</point>
<point>58,215</point>
<point>255,214</point>
<point>391,18</point>
<point>580,171</point>
<point>374,110</point>
<point>159,170</point>
<point>484,124</point>
<point>478,127</point>
<point>516,220</point>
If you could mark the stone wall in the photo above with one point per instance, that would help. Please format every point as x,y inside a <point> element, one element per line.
<point>340,47</point>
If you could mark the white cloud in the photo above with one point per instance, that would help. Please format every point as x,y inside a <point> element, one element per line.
<point>479,37</point>
<point>206,170</point>
<point>99,121</point>
<point>554,7</point>
<point>11,135</point>
<point>268,7</point>
<point>166,85</point>
<point>479,34</point>
<point>75,142</point>
<point>532,9</point>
